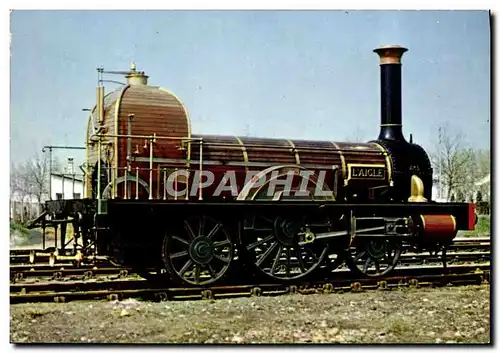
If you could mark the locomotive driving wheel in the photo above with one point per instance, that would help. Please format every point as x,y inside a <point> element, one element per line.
<point>271,242</point>
<point>374,257</point>
<point>198,252</point>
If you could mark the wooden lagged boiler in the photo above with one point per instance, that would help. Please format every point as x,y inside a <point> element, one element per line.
<point>144,134</point>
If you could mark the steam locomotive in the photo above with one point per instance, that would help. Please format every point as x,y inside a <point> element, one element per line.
<point>200,208</point>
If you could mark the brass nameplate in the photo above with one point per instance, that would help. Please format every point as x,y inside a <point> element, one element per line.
<point>366,172</point>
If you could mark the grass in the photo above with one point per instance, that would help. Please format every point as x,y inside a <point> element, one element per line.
<point>482,227</point>
<point>399,326</point>
<point>18,227</point>
<point>49,232</point>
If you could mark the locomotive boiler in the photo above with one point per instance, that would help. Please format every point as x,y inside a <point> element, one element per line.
<point>164,199</point>
<point>144,135</point>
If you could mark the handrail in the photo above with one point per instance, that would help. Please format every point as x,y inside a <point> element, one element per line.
<point>152,139</point>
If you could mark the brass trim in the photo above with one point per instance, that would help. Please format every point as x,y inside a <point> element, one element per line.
<point>188,154</point>
<point>454,222</point>
<point>233,164</point>
<point>390,54</point>
<point>164,168</point>
<point>158,182</point>
<point>390,60</point>
<point>88,178</point>
<point>87,184</point>
<point>151,142</point>
<point>391,124</point>
<point>98,170</point>
<point>200,189</point>
<point>115,157</point>
<point>294,149</point>
<point>387,161</point>
<point>350,165</point>
<point>423,221</point>
<point>417,190</point>
<point>128,179</point>
<point>342,161</point>
<point>137,183</point>
<point>188,157</point>
<point>245,153</point>
<point>100,104</point>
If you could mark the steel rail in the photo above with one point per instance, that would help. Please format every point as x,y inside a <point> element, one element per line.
<point>410,277</point>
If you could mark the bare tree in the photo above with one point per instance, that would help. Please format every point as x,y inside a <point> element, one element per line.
<point>19,190</point>
<point>37,173</point>
<point>452,160</point>
<point>480,172</point>
<point>29,182</point>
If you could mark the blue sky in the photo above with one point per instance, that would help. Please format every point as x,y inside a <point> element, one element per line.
<point>294,74</point>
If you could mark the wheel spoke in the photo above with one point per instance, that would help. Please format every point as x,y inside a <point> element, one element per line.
<point>359,256</point>
<point>184,241</point>
<point>214,230</point>
<point>268,220</point>
<point>190,257</point>
<point>266,254</point>
<point>185,267</point>
<point>212,271</point>
<point>189,230</point>
<point>221,243</point>
<point>276,260</point>
<point>312,253</point>
<point>278,248</point>
<point>179,254</point>
<point>262,241</point>
<point>288,261</point>
<point>197,270</point>
<point>323,253</point>
<point>384,259</point>
<point>223,259</point>
<point>367,263</point>
<point>301,262</point>
<point>201,226</point>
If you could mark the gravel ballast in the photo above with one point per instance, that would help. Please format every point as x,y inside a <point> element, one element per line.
<point>425,315</point>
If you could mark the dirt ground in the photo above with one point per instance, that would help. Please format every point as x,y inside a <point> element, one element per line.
<point>442,315</point>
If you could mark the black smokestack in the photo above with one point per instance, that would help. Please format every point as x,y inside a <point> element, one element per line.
<point>390,84</point>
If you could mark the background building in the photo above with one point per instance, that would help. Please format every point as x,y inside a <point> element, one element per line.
<point>60,185</point>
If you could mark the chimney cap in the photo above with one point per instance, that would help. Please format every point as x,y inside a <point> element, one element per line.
<point>390,54</point>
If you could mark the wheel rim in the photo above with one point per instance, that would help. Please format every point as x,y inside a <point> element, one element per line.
<point>274,250</point>
<point>271,242</point>
<point>199,252</point>
<point>375,258</point>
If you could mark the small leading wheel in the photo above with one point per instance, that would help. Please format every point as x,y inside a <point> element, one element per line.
<point>198,252</point>
<point>374,257</point>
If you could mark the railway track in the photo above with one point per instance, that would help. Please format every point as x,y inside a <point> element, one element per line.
<point>38,275</point>
<point>52,258</point>
<point>69,272</point>
<point>417,276</point>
